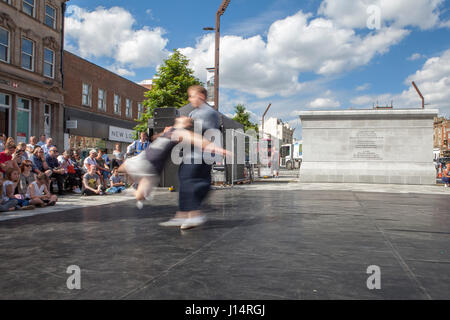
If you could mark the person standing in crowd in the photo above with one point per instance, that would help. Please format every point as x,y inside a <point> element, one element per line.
<point>138,146</point>
<point>46,147</point>
<point>33,143</point>
<point>446,175</point>
<point>194,174</point>
<point>2,142</point>
<point>118,156</point>
<point>6,157</point>
<point>39,193</point>
<point>58,173</point>
<point>9,187</point>
<point>41,141</point>
<point>91,182</point>
<point>102,168</point>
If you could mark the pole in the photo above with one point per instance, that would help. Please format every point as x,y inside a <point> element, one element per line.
<point>262,120</point>
<point>420,94</point>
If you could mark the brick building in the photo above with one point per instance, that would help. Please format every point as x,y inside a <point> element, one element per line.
<point>31,96</point>
<point>441,142</point>
<point>101,107</point>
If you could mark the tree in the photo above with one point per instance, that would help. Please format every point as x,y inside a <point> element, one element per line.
<point>243,117</point>
<point>169,88</point>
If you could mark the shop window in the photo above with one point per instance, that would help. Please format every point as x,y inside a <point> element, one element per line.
<point>50,16</point>
<point>117,105</point>
<point>128,111</point>
<point>47,120</point>
<point>28,7</point>
<point>4,45</point>
<point>5,113</point>
<point>49,63</point>
<point>86,95</point>
<point>27,54</point>
<point>101,100</point>
<point>23,120</point>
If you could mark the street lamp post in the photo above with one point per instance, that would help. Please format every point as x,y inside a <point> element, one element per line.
<point>219,13</point>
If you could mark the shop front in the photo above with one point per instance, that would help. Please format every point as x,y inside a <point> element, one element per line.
<point>86,131</point>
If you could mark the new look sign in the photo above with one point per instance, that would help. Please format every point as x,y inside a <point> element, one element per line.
<point>120,134</point>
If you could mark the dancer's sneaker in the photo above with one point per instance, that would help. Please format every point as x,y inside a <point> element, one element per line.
<point>77,190</point>
<point>174,222</point>
<point>139,204</point>
<point>193,222</point>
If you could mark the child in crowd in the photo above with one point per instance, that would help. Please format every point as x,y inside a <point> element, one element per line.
<point>6,205</point>
<point>91,182</point>
<point>148,165</point>
<point>9,185</point>
<point>39,193</point>
<point>116,182</point>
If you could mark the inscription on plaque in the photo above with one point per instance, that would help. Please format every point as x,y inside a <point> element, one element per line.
<point>367,145</point>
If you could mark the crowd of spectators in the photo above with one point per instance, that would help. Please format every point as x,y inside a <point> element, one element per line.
<point>35,174</point>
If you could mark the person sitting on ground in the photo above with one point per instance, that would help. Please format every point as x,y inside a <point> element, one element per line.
<point>18,156</point>
<point>39,163</point>
<point>73,182</point>
<point>116,182</point>
<point>91,183</point>
<point>446,175</point>
<point>90,160</point>
<point>9,185</point>
<point>58,173</point>
<point>46,147</point>
<point>102,168</point>
<point>6,205</point>
<point>39,192</point>
<point>6,157</point>
<point>23,147</point>
<point>26,178</point>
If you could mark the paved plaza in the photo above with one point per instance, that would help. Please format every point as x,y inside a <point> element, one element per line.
<point>274,239</point>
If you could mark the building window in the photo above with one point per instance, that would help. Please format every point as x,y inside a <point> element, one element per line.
<point>101,100</point>
<point>7,1</point>
<point>47,120</point>
<point>4,45</point>
<point>27,54</point>
<point>86,95</point>
<point>117,104</point>
<point>50,16</point>
<point>140,110</point>
<point>49,63</point>
<point>28,7</point>
<point>23,125</point>
<point>128,110</point>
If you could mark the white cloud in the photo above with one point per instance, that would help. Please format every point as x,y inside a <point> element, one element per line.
<point>363,87</point>
<point>433,80</point>
<point>416,56</point>
<point>323,103</point>
<point>121,71</point>
<point>294,45</point>
<point>423,14</point>
<point>109,33</point>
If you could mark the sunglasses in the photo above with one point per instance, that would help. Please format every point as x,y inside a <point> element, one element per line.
<point>27,165</point>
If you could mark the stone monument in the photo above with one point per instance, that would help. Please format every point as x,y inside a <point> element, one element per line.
<point>393,146</point>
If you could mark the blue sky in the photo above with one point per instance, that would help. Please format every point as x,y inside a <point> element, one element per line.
<point>297,55</point>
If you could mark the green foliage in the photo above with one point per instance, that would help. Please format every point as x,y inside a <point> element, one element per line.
<point>169,88</point>
<point>243,117</point>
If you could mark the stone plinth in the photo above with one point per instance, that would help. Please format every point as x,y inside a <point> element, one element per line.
<point>368,146</point>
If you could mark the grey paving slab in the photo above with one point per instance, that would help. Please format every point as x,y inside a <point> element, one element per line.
<point>257,244</point>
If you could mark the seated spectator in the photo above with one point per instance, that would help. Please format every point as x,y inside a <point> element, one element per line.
<point>41,140</point>
<point>18,156</point>
<point>27,176</point>
<point>72,179</point>
<point>46,147</point>
<point>9,185</point>
<point>33,143</point>
<point>23,147</point>
<point>90,160</point>
<point>102,168</point>
<point>6,205</point>
<point>116,182</point>
<point>91,183</point>
<point>6,157</point>
<point>58,173</point>
<point>446,175</point>
<point>39,192</point>
<point>39,163</point>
